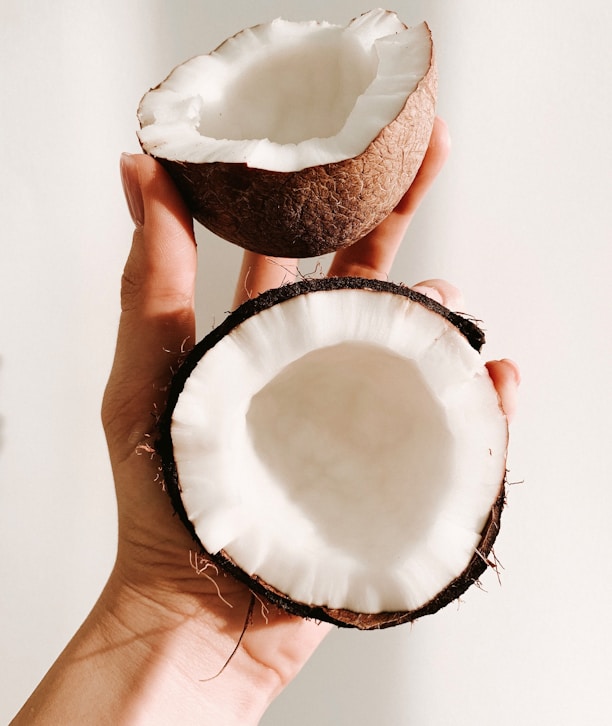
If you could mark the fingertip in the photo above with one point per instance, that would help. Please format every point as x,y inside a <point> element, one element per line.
<point>128,167</point>
<point>513,369</point>
<point>160,271</point>
<point>145,184</point>
<point>440,137</point>
<point>160,194</point>
<point>506,368</point>
<point>506,378</point>
<point>429,291</point>
<point>442,291</point>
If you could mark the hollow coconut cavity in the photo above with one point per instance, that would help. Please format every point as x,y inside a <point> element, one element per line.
<point>338,445</point>
<point>294,139</point>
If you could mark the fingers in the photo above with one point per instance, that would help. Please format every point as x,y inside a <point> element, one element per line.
<point>504,373</point>
<point>260,273</point>
<point>157,291</point>
<point>370,257</point>
<point>506,379</point>
<point>441,291</point>
<point>373,256</point>
<point>160,270</point>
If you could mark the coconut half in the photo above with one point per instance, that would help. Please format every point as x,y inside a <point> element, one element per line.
<point>295,139</point>
<point>338,445</point>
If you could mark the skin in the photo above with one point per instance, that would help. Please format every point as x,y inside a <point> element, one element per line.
<point>149,651</point>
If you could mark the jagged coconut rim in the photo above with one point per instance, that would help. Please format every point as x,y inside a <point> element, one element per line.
<point>342,616</point>
<point>186,118</point>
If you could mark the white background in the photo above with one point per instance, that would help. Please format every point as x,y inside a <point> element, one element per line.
<point>520,219</point>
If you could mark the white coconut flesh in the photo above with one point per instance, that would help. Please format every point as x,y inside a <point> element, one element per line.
<point>344,446</point>
<point>285,95</point>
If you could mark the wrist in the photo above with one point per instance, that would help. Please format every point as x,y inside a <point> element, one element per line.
<point>140,660</point>
<point>190,654</point>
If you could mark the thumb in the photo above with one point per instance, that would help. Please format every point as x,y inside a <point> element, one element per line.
<point>159,275</point>
<point>157,296</point>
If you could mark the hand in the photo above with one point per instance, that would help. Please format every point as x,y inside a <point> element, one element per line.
<point>157,647</point>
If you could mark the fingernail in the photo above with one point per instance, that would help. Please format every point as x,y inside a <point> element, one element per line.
<point>131,188</point>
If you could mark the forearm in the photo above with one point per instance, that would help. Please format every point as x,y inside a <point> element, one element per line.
<point>135,662</point>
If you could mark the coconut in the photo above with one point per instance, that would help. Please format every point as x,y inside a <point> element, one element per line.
<point>338,445</point>
<point>295,139</point>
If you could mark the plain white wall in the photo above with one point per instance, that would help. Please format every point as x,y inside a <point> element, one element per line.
<point>520,219</point>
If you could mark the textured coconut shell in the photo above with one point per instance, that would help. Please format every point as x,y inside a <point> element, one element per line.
<point>344,618</point>
<point>318,209</point>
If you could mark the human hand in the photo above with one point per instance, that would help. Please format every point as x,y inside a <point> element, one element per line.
<point>160,638</point>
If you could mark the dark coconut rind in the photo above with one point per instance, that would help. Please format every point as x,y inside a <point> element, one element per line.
<point>318,209</point>
<point>344,618</point>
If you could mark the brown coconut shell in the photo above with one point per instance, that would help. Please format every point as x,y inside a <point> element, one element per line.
<point>318,209</point>
<point>340,617</point>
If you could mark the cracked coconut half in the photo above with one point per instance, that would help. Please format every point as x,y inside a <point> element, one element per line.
<point>294,139</point>
<point>338,445</point>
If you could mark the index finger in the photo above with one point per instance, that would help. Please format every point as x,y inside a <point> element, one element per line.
<point>373,255</point>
